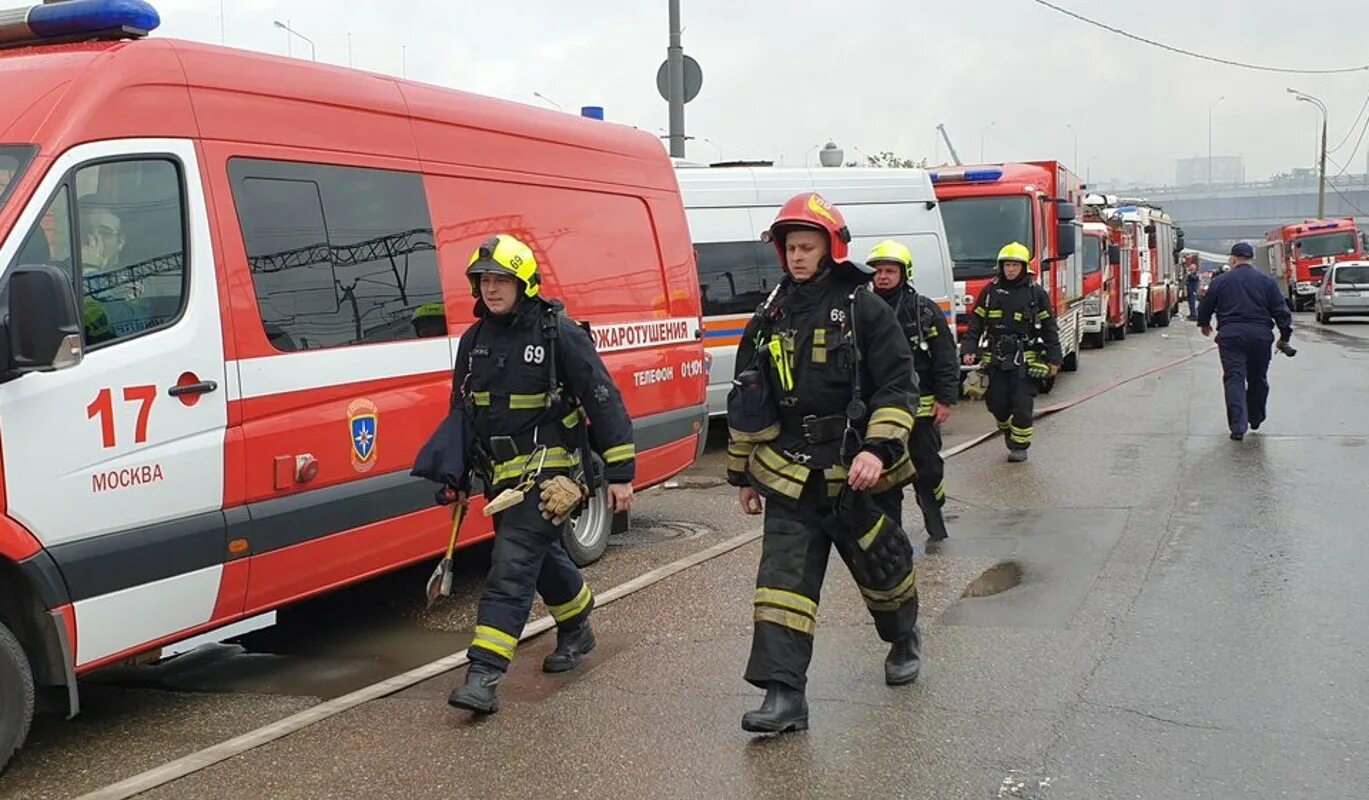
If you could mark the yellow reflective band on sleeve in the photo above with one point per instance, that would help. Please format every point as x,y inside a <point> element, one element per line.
<point>891,599</point>
<point>980,312</point>
<point>574,608</point>
<point>901,473</point>
<point>767,435</point>
<point>619,454</point>
<point>889,423</point>
<point>836,478</point>
<point>785,619</point>
<point>495,641</point>
<point>556,458</point>
<point>997,313</point>
<point>1043,316</point>
<point>527,402</point>
<point>737,454</point>
<point>870,535</point>
<point>481,398</point>
<point>571,420</point>
<point>933,333</point>
<point>926,405</point>
<point>788,600</point>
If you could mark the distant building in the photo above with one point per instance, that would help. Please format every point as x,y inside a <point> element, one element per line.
<point>1194,171</point>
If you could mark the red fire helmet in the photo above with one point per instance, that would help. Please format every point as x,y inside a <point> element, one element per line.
<point>811,210</point>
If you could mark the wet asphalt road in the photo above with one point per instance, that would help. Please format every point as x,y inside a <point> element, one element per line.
<point>1154,611</point>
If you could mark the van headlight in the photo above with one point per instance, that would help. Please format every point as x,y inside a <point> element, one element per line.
<point>1093,306</point>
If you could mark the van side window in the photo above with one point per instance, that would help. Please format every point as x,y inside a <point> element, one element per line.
<point>338,255</point>
<point>731,278</point>
<point>128,226</point>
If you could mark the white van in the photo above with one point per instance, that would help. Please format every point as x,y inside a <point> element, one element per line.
<point>729,206</point>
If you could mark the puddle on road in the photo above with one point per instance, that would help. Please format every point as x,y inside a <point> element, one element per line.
<point>995,580</point>
<point>322,648</point>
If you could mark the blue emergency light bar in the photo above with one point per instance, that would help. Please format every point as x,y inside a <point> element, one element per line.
<point>77,20</point>
<point>968,176</point>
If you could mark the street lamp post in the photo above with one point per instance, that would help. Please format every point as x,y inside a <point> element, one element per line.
<point>1075,162</point>
<point>981,139</point>
<point>1303,97</point>
<point>1209,137</point>
<point>313,52</point>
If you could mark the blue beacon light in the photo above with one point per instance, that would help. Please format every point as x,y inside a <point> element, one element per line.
<point>77,20</point>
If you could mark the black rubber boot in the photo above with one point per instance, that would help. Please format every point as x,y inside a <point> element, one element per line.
<point>936,524</point>
<point>477,693</point>
<point>1017,456</point>
<point>904,662</point>
<point>784,709</point>
<point>571,647</point>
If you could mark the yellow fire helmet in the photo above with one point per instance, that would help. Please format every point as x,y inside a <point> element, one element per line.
<point>1016,252</point>
<point>505,255</point>
<point>894,253</point>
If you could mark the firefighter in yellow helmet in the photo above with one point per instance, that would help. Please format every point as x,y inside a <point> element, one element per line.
<point>938,376</point>
<point>527,376</point>
<point>1013,336</point>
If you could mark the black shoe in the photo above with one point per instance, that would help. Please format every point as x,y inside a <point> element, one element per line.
<point>571,647</point>
<point>784,709</point>
<point>936,524</point>
<point>904,661</point>
<point>1236,437</point>
<point>1254,426</point>
<point>1017,456</point>
<point>477,694</point>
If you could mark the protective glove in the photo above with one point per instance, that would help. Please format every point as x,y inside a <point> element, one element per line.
<point>561,497</point>
<point>1038,370</point>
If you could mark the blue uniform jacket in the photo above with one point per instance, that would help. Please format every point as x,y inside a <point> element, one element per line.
<point>1247,303</point>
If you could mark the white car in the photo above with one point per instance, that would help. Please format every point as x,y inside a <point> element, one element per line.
<point>1344,291</point>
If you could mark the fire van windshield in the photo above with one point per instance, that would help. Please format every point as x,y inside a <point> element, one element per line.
<point>13,160</point>
<point>1327,244</point>
<point>978,227</point>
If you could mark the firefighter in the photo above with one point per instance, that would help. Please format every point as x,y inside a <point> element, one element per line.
<point>429,319</point>
<point>831,384</point>
<point>1023,345</point>
<point>528,376</point>
<point>938,375</point>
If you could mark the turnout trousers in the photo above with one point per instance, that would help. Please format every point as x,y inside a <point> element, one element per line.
<point>924,447</point>
<point>527,557</point>
<point>1010,398</point>
<point>794,554</point>
<point>1245,375</point>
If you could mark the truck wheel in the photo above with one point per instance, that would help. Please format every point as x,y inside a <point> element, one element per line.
<point>1070,363</point>
<point>1046,384</point>
<point>1139,322</point>
<point>1120,332</point>
<point>1161,319</point>
<point>585,536</point>
<point>16,696</point>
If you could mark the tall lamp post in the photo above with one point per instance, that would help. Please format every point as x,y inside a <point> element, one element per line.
<point>313,52</point>
<point>1209,137</point>
<point>1303,97</point>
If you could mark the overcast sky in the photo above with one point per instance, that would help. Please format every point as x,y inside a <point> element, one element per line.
<point>781,77</point>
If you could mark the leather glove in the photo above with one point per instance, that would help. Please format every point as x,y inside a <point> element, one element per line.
<point>561,497</point>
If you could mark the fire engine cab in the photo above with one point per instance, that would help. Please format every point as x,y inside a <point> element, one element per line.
<point>1298,254</point>
<point>233,286</point>
<point>985,207</point>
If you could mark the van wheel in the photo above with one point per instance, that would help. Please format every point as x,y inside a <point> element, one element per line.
<point>1139,322</point>
<point>16,696</point>
<point>1097,341</point>
<point>1070,363</point>
<point>1161,319</point>
<point>586,535</point>
<point>1045,385</point>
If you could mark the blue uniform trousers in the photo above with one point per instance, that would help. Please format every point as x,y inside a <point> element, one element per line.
<point>1245,373</point>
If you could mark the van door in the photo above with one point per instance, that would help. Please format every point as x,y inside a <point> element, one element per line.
<point>117,464</point>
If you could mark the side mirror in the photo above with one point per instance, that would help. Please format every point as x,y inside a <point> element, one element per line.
<point>1065,239</point>
<point>1065,212</point>
<point>1114,254</point>
<point>42,329</point>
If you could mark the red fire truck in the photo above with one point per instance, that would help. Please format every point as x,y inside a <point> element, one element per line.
<point>1154,263</point>
<point>985,207</point>
<point>1297,255</point>
<point>1107,247</point>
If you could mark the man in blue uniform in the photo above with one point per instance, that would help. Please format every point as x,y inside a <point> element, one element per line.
<point>1248,304</point>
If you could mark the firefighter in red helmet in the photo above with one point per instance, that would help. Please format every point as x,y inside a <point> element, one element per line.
<point>818,424</point>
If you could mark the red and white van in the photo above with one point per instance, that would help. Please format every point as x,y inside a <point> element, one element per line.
<point>260,248</point>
